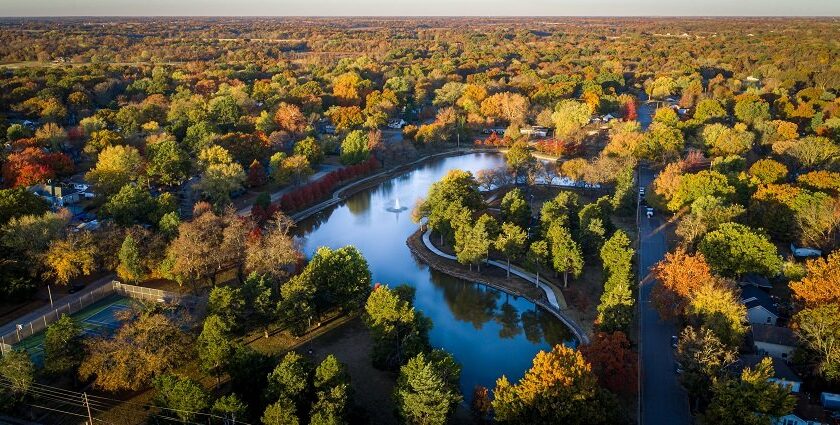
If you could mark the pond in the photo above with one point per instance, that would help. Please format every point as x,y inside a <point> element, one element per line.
<point>489,332</point>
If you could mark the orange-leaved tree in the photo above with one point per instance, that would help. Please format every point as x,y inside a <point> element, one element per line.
<point>680,275</point>
<point>822,282</point>
<point>613,362</point>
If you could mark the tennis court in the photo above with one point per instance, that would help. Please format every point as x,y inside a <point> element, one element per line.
<point>99,319</point>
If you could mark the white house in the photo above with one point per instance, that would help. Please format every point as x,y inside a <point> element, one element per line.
<point>773,341</point>
<point>760,306</point>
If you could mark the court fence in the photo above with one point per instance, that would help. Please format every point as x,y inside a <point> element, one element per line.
<point>25,330</point>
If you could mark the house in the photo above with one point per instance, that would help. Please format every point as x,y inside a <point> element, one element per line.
<point>756,280</point>
<point>59,195</point>
<point>784,375</point>
<point>760,306</point>
<point>804,413</point>
<point>534,131</point>
<point>774,341</point>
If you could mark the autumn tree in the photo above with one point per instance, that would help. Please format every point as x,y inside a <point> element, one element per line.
<point>140,350</point>
<point>613,362</point>
<point>819,329</point>
<point>71,257</point>
<point>680,276</point>
<point>288,117</point>
<point>821,283</point>
<point>115,167</point>
<point>221,174</point>
<point>570,116</point>
<point>753,398</point>
<point>559,388</point>
<point>703,358</point>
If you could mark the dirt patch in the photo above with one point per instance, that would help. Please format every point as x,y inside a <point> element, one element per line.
<point>372,388</point>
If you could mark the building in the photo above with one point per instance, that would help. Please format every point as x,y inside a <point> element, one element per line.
<point>760,306</point>
<point>534,131</point>
<point>58,195</point>
<point>784,375</point>
<point>756,280</point>
<point>773,341</point>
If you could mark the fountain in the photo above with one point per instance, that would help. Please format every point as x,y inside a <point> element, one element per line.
<point>396,208</point>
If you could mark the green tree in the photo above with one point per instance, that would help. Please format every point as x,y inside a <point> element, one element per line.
<point>569,116</point>
<point>354,148</point>
<point>511,242</point>
<point>131,267</point>
<point>297,302</point>
<point>309,148</point>
<point>399,331</point>
<point>734,249</point>
<point>472,241</point>
<point>753,399</point>
<point>819,328</point>
<point>214,345</point>
<point>516,209</point>
<point>221,175</point>
<point>423,393</point>
<point>709,109</point>
<point>280,413</point>
<point>290,379</point>
<point>341,278</point>
<point>18,202</point>
<point>566,255</point>
<point>661,143</point>
<point>538,257</point>
<point>562,210</point>
<point>457,189</point>
<point>168,163</point>
<point>752,110</point>
<point>228,303</point>
<point>181,396</point>
<point>231,408</point>
<point>131,205</point>
<point>17,369</point>
<point>63,346</point>
<point>519,159</point>
<point>694,186</point>
<point>332,387</point>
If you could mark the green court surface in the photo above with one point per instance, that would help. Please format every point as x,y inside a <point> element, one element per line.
<point>98,319</point>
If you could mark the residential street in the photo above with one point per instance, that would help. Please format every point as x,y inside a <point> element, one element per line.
<point>662,400</point>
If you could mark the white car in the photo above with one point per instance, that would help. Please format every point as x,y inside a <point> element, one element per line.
<point>649,212</point>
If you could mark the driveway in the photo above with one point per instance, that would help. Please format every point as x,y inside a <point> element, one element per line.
<point>662,400</point>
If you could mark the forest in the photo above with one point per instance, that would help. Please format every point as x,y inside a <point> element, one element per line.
<point>179,154</point>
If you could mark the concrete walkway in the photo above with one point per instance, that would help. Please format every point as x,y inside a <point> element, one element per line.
<point>556,304</point>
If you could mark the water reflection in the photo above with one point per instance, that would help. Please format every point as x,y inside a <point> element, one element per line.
<point>490,332</point>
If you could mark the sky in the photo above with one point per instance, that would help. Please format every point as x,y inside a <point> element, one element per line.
<point>420,8</point>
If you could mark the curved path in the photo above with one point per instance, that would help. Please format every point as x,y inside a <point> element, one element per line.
<point>554,305</point>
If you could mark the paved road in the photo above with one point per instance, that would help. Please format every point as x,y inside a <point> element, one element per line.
<point>662,400</point>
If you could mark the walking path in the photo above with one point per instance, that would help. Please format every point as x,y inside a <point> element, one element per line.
<point>556,304</point>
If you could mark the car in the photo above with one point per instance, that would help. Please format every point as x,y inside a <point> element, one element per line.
<point>678,368</point>
<point>649,212</point>
<point>642,191</point>
<point>674,341</point>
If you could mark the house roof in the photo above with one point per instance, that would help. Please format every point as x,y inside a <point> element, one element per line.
<point>55,190</point>
<point>753,297</point>
<point>755,280</point>
<point>781,369</point>
<point>770,334</point>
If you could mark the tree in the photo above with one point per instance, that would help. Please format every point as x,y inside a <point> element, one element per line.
<point>181,396</point>
<point>288,117</point>
<point>18,202</point>
<point>613,362</point>
<point>559,388</point>
<point>472,241</point>
<point>290,379</point>
<point>565,253</point>
<point>17,369</point>
<point>214,345</point>
<point>709,109</point>
<point>354,148</point>
<point>511,242</point>
<point>718,308</point>
<point>569,116</point>
<point>507,106</point>
<point>140,350</point>
<point>538,256</point>
<point>130,268</point>
<point>256,174</point>
<point>231,408</point>
<point>661,143</point>
<point>63,346</point>
<point>516,209</point>
<point>519,159</point>
<point>819,329</point>
<point>458,189</point>
<point>227,303</point>
<point>297,306</point>
<point>69,258</point>
<point>821,283</point>
<point>697,185</point>
<point>332,387</point>
<point>310,148</point>
<point>754,399</point>
<point>768,171</point>
<point>562,210</point>
<point>426,393</point>
<point>115,167</point>
<point>399,331</point>
<point>735,249</point>
<point>707,214</point>
<point>273,250</point>
<point>680,276</point>
<point>34,165</point>
<point>130,205</point>
<point>280,413</point>
<point>752,110</point>
<point>221,175</point>
<point>703,358</point>
<point>168,163</point>
<point>723,141</point>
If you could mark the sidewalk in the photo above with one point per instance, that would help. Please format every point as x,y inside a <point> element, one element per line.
<point>557,305</point>
<point>66,299</point>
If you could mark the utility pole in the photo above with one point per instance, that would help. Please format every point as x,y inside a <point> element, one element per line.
<point>87,404</point>
<point>49,292</point>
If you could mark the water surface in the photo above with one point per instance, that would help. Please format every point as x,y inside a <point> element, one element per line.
<point>489,332</point>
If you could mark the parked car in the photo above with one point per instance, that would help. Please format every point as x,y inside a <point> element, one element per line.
<point>804,252</point>
<point>674,341</point>
<point>649,212</point>
<point>641,192</point>
<point>75,288</point>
